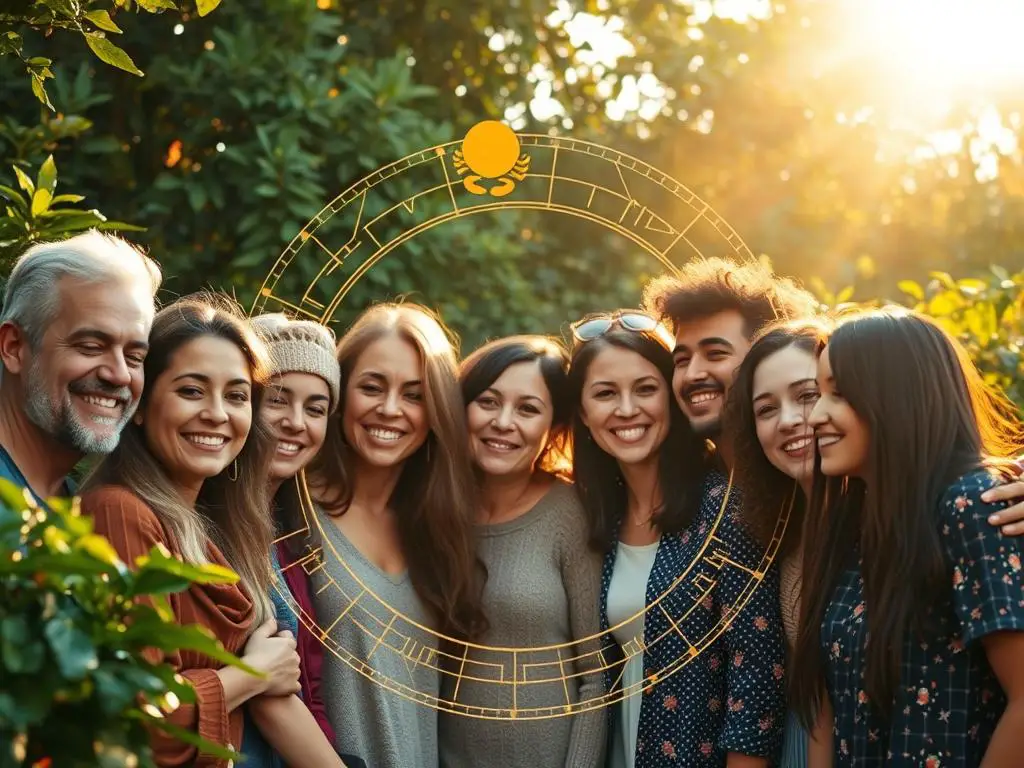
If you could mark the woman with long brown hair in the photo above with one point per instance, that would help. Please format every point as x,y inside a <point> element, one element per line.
<point>767,419</point>
<point>912,618</point>
<point>396,503</point>
<point>189,474</point>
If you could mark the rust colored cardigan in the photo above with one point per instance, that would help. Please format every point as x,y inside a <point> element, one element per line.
<point>133,529</point>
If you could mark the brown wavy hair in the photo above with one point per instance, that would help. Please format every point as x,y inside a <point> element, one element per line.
<point>705,287</point>
<point>435,499</point>
<point>931,418</point>
<point>230,513</point>
<point>765,489</point>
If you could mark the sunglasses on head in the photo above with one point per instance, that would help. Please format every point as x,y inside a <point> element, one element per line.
<point>594,326</point>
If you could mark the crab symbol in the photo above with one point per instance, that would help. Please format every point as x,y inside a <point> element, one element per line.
<point>491,151</point>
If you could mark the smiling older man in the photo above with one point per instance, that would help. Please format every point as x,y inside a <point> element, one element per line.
<point>73,337</point>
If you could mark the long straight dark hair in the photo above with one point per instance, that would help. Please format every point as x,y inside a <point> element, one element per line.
<point>599,482</point>
<point>931,418</point>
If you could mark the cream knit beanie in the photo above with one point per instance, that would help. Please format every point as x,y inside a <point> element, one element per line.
<point>301,346</point>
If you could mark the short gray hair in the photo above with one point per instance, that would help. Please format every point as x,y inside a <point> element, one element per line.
<point>30,297</point>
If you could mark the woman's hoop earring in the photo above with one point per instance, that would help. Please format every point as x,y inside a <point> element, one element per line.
<point>233,474</point>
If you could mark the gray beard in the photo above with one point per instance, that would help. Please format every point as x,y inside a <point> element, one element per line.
<point>60,422</point>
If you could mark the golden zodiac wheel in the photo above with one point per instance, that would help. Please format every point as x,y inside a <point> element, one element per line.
<point>493,169</point>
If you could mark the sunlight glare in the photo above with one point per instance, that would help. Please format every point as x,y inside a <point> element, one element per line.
<point>942,46</point>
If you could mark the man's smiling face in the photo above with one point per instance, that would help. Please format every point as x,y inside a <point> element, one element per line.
<point>708,352</point>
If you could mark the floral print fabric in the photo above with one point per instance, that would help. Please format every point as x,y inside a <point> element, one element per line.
<point>730,698</point>
<point>949,701</point>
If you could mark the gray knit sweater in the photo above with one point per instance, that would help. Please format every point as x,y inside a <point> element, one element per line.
<point>542,589</point>
<point>375,712</point>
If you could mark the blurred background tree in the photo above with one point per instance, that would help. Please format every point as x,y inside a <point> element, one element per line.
<point>836,137</point>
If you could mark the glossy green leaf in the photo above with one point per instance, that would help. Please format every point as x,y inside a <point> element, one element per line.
<point>47,178</point>
<point>110,54</point>
<point>39,91</point>
<point>102,20</point>
<point>72,222</point>
<point>153,581</point>
<point>193,636</point>
<point>74,563</point>
<point>201,574</point>
<point>61,199</point>
<point>99,548</point>
<point>41,202</point>
<point>24,181</point>
<point>155,6</point>
<point>119,226</point>
<point>11,194</point>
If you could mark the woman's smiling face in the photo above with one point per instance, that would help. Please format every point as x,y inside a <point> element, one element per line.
<point>625,405</point>
<point>384,419</point>
<point>198,415</point>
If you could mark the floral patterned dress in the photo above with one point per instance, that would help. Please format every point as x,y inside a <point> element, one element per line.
<point>729,698</point>
<point>949,700</point>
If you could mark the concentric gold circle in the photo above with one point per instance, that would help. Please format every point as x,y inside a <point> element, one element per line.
<point>360,227</point>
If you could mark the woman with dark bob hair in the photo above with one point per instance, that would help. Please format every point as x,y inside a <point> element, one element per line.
<point>912,618</point>
<point>542,583</point>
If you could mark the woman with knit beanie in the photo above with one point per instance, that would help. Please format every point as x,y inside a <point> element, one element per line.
<point>304,391</point>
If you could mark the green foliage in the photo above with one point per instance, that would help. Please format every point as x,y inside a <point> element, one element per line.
<point>988,318</point>
<point>92,20</point>
<point>77,688</point>
<point>250,121</point>
<point>986,315</point>
<point>306,97</point>
<point>35,213</point>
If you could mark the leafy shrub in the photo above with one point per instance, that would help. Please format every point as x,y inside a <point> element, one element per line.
<point>36,214</point>
<point>985,314</point>
<point>988,318</point>
<point>92,20</point>
<point>77,690</point>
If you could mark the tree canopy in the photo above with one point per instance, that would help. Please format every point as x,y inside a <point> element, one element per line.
<point>251,118</point>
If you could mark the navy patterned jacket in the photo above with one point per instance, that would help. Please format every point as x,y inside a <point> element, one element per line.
<point>730,697</point>
<point>949,700</point>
